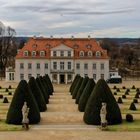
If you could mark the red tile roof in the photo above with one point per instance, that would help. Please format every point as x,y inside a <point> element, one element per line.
<point>54,42</point>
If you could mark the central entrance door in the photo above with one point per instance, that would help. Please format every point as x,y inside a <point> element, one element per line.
<point>62,78</point>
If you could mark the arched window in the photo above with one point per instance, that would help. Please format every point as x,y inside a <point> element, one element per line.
<point>25,53</point>
<point>81,54</point>
<point>42,53</point>
<point>98,54</point>
<point>33,53</point>
<point>89,53</point>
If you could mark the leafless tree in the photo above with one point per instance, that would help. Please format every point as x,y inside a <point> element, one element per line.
<point>6,43</point>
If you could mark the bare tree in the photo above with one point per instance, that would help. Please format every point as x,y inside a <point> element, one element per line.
<point>6,43</point>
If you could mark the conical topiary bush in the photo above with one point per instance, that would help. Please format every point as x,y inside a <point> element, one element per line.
<point>46,97</point>
<point>71,87</point>
<point>132,106</point>
<point>85,95</point>
<point>49,82</point>
<point>37,94</point>
<point>102,93</point>
<point>75,83</point>
<point>43,82</point>
<point>75,91</point>
<point>80,91</point>
<point>120,100</point>
<point>22,94</point>
<point>48,87</point>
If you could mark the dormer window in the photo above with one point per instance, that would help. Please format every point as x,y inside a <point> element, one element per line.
<point>33,53</point>
<point>98,54</point>
<point>81,53</point>
<point>88,46</point>
<point>89,53</point>
<point>42,53</point>
<point>76,46</point>
<point>26,53</point>
<point>34,45</point>
<point>47,46</point>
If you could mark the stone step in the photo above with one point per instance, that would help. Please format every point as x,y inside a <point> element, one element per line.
<point>61,101</point>
<point>64,127</point>
<point>62,107</point>
<point>61,117</point>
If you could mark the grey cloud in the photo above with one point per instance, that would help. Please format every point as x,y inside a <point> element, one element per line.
<point>69,11</point>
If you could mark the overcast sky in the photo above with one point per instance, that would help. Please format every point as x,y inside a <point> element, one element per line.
<point>98,18</point>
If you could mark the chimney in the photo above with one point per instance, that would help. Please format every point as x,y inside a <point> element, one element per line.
<point>51,37</point>
<point>88,36</point>
<point>72,37</point>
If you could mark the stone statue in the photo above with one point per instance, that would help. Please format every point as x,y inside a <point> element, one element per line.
<point>25,120</point>
<point>103,113</point>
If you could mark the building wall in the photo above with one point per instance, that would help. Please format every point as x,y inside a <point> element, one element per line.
<point>82,71</point>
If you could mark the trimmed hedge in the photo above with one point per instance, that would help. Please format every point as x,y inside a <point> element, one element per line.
<point>5,100</point>
<point>129,118</point>
<point>135,100</point>
<point>22,94</point>
<point>120,100</point>
<point>37,94</point>
<point>49,82</point>
<point>124,96</point>
<point>102,93</point>
<point>48,87</point>
<point>132,106</point>
<point>80,91</point>
<point>77,86</point>
<point>46,97</point>
<point>85,95</point>
<point>73,83</point>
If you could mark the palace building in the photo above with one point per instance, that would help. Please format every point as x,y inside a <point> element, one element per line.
<point>61,59</point>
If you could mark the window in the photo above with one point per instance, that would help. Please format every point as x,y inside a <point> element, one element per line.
<point>54,65</point>
<point>102,76</point>
<point>29,76</point>
<point>29,65</point>
<point>38,75</point>
<point>98,53</point>
<point>34,45</point>
<point>69,77</point>
<point>69,53</point>
<point>86,66</point>
<point>94,66</point>
<point>46,65</point>
<point>88,46</point>
<point>94,76</point>
<point>42,53</point>
<point>102,66</point>
<point>11,76</point>
<point>47,46</point>
<point>61,65</point>
<point>21,65</point>
<point>76,46</point>
<point>38,65</point>
<point>61,53</point>
<point>86,75</point>
<point>33,53</point>
<point>54,77</point>
<point>69,65</point>
<point>77,66</point>
<point>81,53</point>
<point>21,76</point>
<point>25,53</point>
<point>54,53</point>
<point>89,53</point>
